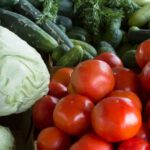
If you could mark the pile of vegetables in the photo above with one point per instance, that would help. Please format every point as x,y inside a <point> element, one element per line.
<point>97,53</point>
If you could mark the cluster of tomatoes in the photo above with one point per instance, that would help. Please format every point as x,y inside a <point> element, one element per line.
<point>98,105</point>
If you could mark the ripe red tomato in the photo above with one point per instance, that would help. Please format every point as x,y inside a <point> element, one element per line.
<point>57,89</point>
<point>143,53</point>
<point>53,139</point>
<point>134,144</point>
<point>91,141</point>
<point>42,112</point>
<point>112,59</point>
<point>127,94</point>
<point>147,111</point>
<point>116,119</point>
<point>145,77</point>
<point>72,114</point>
<point>125,79</point>
<point>93,78</point>
<point>62,75</point>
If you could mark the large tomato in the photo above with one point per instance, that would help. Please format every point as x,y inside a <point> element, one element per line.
<point>143,53</point>
<point>145,77</point>
<point>125,79</point>
<point>93,78</point>
<point>134,144</point>
<point>127,94</point>
<point>72,114</point>
<point>116,119</point>
<point>91,141</point>
<point>62,75</point>
<point>42,112</point>
<point>112,59</point>
<point>53,139</point>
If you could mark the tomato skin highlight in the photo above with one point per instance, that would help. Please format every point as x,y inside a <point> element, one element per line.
<point>53,139</point>
<point>72,114</point>
<point>143,53</point>
<point>116,119</point>
<point>42,112</point>
<point>134,144</point>
<point>127,94</point>
<point>91,141</point>
<point>93,79</point>
<point>112,59</point>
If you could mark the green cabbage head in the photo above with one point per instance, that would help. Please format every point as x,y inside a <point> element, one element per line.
<point>24,77</point>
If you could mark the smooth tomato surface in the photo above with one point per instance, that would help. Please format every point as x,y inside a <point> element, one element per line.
<point>112,59</point>
<point>42,112</point>
<point>143,53</point>
<point>125,79</point>
<point>93,78</point>
<point>134,144</point>
<point>116,119</point>
<point>72,114</point>
<point>128,94</point>
<point>57,89</point>
<point>62,75</point>
<point>91,141</point>
<point>145,77</point>
<point>53,139</point>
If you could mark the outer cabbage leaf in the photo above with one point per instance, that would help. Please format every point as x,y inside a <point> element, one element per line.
<point>24,77</point>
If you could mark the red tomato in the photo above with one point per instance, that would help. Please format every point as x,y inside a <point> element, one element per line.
<point>93,78</point>
<point>72,114</point>
<point>116,119</point>
<point>91,141</point>
<point>143,53</point>
<point>127,94</point>
<point>42,112</point>
<point>112,59</point>
<point>147,111</point>
<point>57,89</point>
<point>70,89</point>
<point>125,79</point>
<point>62,75</point>
<point>143,133</point>
<point>53,139</point>
<point>134,144</point>
<point>145,77</point>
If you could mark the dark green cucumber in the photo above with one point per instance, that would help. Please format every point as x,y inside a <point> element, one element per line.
<point>77,36</point>
<point>72,57</point>
<point>7,3</point>
<point>25,8</point>
<point>27,30</point>
<point>87,47</point>
<point>59,51</point>
<point>36,3</point>
<point>86,56</point>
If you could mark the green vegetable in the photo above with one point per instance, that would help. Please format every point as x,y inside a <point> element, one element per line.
<point>141,2</point>
<point>72,57</point>
<point>23,74</point>
<point>27,9</point>
<point>140,17</point>
<point>36,3</point>
<point>6,3</point>
<point>85,46</point>
<point>27,30</point>
<point>86,56</point>
<point>7,141</point>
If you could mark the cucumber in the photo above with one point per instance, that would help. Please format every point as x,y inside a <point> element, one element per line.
<point>87,47</point>
<point>87,55</point>
<point>72,57</point>
<point>27,30</point>
<point>25,8</point>
<point>36,3</point>
<point>7,3</point>
<point>59,51</point>
<point>77,36</point>
<point>138,36</point>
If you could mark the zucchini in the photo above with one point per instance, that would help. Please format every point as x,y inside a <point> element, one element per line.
<point>87,47</point>
<point>27,30</point>
<point>138,36</point>
<point>71,58</point>
<point>25,8</point>
<point>59,51</point>
<point>7,3</point>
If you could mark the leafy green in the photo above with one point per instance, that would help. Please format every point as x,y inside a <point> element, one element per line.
<point>50,10</point>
